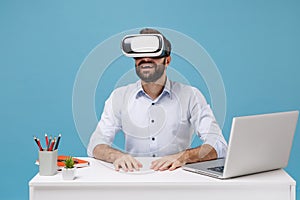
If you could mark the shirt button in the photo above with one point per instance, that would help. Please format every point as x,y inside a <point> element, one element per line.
<point>153,138</point>
<point>152,120</point>
<point>153,104</point>
<point>153,155</point>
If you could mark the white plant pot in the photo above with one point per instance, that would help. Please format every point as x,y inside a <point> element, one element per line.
<point>68,174</point>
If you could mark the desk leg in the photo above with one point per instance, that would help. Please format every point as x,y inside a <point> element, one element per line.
<point>293,192</point>
<point>31,193</point>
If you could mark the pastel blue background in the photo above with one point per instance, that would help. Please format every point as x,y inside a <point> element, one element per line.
<point>255,45</point>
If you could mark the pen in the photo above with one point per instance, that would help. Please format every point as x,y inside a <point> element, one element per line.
<point>46,138</point>
<point>49,143</point>
<point>52,144</point>
<point>38,143</point>
<point>57,143</point>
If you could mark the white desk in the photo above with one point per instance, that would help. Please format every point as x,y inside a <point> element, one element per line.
<point>100,181</point>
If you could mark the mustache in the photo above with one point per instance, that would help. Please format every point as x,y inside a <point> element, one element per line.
<point>145,62</point>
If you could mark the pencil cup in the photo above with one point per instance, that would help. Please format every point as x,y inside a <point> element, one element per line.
<point>47,163</point>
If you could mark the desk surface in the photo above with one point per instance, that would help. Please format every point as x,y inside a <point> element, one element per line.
<point>102,173</point>
<point>101,181</point>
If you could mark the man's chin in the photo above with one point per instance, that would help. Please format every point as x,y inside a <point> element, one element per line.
<point>148,79</point>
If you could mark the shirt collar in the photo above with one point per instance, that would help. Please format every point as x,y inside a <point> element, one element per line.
<point>140,91</point>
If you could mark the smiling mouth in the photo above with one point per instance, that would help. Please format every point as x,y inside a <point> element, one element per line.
<point>146,66</point>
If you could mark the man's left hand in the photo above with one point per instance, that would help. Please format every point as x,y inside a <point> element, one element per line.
<point>170,162</point>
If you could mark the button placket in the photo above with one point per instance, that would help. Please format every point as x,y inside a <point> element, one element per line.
<point>157,120</point>
<point>153,127</point>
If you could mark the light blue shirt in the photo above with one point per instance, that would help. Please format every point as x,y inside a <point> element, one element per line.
<point>158,127</point>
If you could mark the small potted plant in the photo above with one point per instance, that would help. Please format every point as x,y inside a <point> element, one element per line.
<point>68,172</point>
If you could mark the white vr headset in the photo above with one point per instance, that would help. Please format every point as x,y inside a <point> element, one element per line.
<point>143,45</point>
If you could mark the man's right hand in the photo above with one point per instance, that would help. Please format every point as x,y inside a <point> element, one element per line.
<point>119,159</point>
<point>127,163</point>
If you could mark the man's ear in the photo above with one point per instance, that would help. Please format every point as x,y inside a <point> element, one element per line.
<point>167,60</point>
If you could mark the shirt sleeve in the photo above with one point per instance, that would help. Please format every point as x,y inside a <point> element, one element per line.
<point>107,127</point>
<point>205,124</point>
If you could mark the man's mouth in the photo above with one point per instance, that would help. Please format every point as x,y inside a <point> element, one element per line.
<point>145,65</point>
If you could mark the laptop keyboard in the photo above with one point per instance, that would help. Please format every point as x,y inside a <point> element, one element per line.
<point>217,169</point>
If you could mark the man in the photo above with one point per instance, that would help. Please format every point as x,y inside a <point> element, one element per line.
<point>158,117</point>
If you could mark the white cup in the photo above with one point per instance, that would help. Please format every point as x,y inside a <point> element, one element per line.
<point>47,163</point>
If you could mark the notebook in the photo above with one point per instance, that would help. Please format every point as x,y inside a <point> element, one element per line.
<point>78,162</point>
<point>257,143</point>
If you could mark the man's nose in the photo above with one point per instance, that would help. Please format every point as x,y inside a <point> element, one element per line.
<point>147,59</point>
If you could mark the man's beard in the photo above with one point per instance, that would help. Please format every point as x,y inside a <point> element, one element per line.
<point>150,76</point>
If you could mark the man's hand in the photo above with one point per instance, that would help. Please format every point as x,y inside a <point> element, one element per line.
<point>171,162</point>
<point>127,163</point>
<point>198,154</point>
<point>119,159</point>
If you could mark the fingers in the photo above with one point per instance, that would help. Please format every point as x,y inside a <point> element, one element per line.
<point>161,164</point>
<point>176,165</point>
<point>166,164</point>
<point>127,163</point>
<point>171,162</point>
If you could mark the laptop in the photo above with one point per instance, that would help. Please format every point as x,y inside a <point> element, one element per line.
<point>257,143</point>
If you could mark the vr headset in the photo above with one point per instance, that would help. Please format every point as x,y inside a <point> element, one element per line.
<point>144,45</point>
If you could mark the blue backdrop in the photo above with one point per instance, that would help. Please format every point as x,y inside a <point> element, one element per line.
<point>255,45</point>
